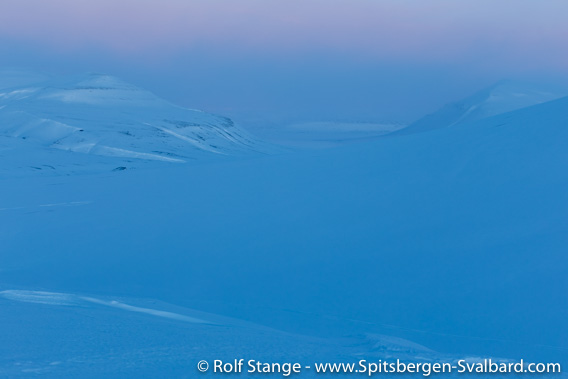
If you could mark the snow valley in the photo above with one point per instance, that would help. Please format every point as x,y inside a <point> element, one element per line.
<point>433,245</point>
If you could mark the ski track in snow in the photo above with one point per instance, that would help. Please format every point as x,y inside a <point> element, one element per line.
<point>49,205</point>
<point>65,299</point>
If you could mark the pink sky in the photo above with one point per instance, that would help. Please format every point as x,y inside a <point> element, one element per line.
<point>530,33</point>
<point>349,59</point>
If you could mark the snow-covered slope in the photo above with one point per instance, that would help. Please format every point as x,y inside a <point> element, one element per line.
<point>127,337</point>
<point>104,116</point>
<point>502,97</point>
<point>454,239</point>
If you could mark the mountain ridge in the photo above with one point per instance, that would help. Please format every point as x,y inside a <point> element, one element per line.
<point>103,115</point>
<point>502,97</point>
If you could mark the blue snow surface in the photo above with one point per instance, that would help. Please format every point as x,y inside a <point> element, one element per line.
<point>429,247</point>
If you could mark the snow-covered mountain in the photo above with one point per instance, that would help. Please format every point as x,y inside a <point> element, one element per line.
<point>505,96</point>
<point>101,115</point>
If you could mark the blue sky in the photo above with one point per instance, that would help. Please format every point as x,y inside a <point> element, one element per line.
<point>310,59</point>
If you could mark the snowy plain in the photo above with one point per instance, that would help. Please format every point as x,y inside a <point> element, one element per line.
<point>427,246</point>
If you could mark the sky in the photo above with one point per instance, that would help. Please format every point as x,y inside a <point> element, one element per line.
<point>271,61</point>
